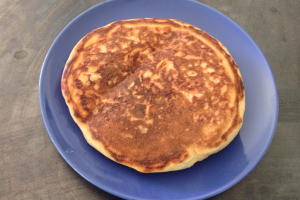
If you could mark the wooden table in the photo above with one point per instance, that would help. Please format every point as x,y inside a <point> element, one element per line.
<point>32,168</point>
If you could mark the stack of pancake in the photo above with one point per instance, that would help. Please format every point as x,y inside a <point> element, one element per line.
<point>154,94</point>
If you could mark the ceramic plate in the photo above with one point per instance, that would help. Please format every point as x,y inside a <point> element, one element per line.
<point>205,179</point>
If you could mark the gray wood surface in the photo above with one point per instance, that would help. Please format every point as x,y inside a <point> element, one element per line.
<point>31,167</point>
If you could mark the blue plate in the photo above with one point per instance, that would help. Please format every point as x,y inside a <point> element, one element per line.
<point>205,179</point>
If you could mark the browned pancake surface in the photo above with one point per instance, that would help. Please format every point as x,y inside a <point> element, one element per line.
<point>154,93</point>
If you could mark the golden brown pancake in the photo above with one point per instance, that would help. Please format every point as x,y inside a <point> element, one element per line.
<point>154,94</point>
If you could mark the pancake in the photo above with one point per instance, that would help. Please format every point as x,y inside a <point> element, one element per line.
<point>155,95</point>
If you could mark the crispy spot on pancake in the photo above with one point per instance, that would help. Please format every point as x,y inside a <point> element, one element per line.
<point>154,94</point>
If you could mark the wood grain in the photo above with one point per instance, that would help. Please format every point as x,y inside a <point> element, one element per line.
<point>31,167</point>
